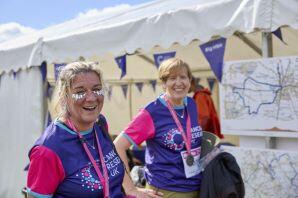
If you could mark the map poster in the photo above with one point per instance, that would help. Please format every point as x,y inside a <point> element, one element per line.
<point>267,172</point>
<point>260,97</point>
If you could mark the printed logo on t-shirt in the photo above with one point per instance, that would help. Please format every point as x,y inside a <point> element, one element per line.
<point>196,134</point>
<point>88,177</point>
<point>112,162</point>
<point>174,141</point>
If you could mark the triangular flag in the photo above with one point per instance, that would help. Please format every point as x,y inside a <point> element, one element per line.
<point>49,91</point>
<point>48,120</point>
<point>214,53</point>
<point>121,61</point>
<point>153,84</point>
<point>57,68</point>
<point>158,58</point>
<point>140,86</point>
<point>14,74</point>
<point>211,82</point>
<point>110,92</point>
<point>43,70</point>
<point>278,34</point>
<point>124,89</point>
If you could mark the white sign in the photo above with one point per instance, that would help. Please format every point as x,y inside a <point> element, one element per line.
<point>260,96</point>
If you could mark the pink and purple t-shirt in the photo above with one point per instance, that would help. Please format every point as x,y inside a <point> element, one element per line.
<point>59,166</point>
<point>155,125</point>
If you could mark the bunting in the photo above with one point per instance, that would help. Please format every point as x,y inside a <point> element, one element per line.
<point>49,91</point>
<point>14,74</point>
<point>278,34</point>
<point>214,53</point>
<point>57,69</point>
<point>153,84</point>
<point>43,70</point>
<point>124,88</point>
<point>121,61</point>
<point>110,92</point>
<point>139,85</point>
<point>158,58</point>
<point>48,120</point>
<point>211,82</point>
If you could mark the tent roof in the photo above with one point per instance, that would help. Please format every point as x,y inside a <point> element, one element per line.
<point>160,22</point>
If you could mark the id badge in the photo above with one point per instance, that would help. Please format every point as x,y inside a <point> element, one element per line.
<point>191,169</point>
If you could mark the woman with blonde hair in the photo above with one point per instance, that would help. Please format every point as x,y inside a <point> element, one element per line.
<point>74,157</point>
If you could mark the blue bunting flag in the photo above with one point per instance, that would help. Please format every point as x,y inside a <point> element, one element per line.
<point>139,86</point>
<point>121,61</point>
<point>124,89</point>
<point>158,58</point>
<point>214,53</point>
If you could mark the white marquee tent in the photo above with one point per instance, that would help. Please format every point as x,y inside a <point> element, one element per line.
<point>161,22</point>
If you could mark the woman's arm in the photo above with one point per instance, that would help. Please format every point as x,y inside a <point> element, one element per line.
<point>122,144</point>
<point>45,172</point>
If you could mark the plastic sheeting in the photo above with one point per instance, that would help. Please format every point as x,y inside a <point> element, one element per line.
<point>21,122</point>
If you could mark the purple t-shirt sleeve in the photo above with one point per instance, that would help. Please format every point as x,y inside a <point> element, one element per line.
<point>140,128</point>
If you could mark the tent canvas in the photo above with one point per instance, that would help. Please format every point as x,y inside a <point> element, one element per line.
<point>161,22</point>
<point>164,23</point>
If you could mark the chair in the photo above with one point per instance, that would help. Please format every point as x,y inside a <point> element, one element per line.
<point>24,192</point>
<point>209,142</point>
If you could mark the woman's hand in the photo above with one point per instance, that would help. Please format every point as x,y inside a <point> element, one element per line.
<point>144,193</point>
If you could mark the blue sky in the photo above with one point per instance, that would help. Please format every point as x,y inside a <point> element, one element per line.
<point>19,17</point>
<point>39,14</point>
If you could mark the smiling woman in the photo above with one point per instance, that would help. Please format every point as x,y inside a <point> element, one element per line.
<point>169,125</point>
<point>86,101</point>
<point>73,156</point>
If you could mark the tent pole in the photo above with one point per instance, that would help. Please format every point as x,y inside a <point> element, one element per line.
<point>267,51</point>
<point>129,100</point>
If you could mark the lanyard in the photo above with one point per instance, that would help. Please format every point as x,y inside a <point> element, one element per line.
<point>186,136</point>
<point>103,178</point>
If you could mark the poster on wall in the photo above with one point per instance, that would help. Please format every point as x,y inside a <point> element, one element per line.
<point>260,97</point>
<point>267,172</point>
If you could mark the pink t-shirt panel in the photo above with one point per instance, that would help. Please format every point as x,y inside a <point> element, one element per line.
<point>45,171</point>
<point>141,128</point>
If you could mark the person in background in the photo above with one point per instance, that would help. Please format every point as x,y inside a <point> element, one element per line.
<point>170,128</point>
<point>74,157</point>
<point>207,115</point>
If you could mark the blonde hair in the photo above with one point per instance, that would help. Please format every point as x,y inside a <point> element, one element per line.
<point>66,76</point>
<point>171,65</point>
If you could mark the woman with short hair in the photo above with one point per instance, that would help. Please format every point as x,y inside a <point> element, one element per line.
<point>169,125</point>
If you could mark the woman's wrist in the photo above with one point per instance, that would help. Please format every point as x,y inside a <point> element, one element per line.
<point>130,190</point>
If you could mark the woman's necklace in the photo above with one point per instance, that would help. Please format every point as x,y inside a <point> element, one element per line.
<point>182,115</point>
<point>93,142</point>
